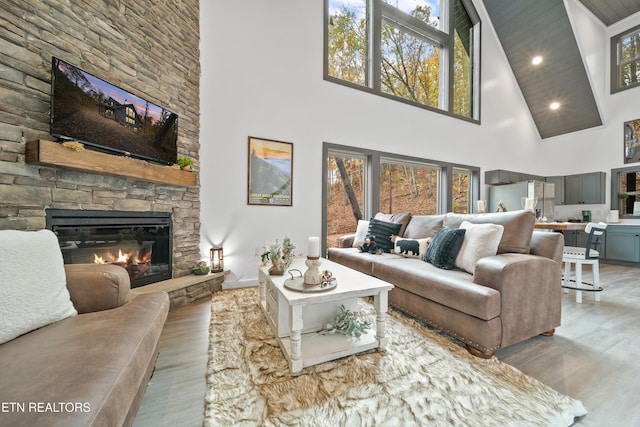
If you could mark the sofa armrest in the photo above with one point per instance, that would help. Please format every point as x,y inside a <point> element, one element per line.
<point>530,293</point>
<point>346,241</point>
<point>547,244</point>
<point>97,287</point>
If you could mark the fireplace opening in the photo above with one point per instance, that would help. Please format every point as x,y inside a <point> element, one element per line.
<point>141,242</point>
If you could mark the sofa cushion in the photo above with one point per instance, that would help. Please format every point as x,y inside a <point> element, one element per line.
<point>411,248</point>
<point>444,247</point>
<point>361,233</point>
<point>399,218</point>
<point>383,230</point>
<point>480,240</point>
<point>518,227</point>
<point>422,226</point>
<point>450,288</point>
<point>353,258</point>
<point>34,286</point>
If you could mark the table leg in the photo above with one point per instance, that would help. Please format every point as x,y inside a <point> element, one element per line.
<point>381,305</point>
<point>295,325</point>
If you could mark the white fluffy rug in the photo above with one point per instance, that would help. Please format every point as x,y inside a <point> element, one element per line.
<point>422,379</point>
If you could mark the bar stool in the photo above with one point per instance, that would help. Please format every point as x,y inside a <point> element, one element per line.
<point>588,255</point>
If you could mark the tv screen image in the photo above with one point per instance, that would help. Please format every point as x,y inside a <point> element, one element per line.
<point>110,119</point>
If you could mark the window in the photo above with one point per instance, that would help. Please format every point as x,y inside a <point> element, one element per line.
<point>625,190</point>
<point>426,54</point>
<point>408,187</point>
<point>461,191</point>
<point>344,194</point>
<point>360,182</point>
<point>625,60</point>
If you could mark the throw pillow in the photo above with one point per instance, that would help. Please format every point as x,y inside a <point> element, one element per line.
<point>361,233</point>
<point>444,247</point>
<point>34,285</point>
<point>411,248</point>
<point>383,231</point>
<point>399,218</point>
<point>480,240</point>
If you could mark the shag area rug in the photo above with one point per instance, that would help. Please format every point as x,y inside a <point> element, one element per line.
<point>421,379</point>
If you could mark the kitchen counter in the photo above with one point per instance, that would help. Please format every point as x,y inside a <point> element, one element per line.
<point>560,226</point>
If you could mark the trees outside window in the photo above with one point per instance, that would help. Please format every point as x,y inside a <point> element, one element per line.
<point>408,187</point>
<point>360,182</point>
<point>425,54</point>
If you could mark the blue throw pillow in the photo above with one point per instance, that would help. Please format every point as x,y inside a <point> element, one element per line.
<point>383,231</point>
<point>444,247</point>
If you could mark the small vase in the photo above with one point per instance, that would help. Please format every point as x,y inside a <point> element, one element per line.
<point>277,269</point>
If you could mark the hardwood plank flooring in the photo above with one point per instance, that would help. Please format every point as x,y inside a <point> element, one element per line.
<point>594,356</point>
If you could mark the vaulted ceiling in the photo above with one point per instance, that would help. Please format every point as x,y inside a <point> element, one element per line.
<point>528,28</point>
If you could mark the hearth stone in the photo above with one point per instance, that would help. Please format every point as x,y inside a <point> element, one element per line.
<point>185,290</point>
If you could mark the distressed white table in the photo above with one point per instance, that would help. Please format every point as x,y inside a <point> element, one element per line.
<point>296,317</point>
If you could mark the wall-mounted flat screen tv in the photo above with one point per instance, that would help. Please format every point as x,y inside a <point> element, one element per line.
<point>107,118</point>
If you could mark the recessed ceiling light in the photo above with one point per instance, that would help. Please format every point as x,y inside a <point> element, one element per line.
<point>537,60</point>
<point>554,105</point>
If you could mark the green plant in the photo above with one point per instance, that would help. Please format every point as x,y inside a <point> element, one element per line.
<point>185,162</point>
<point>623,196</point>
<point>347,323</point>
<point>201,268</point>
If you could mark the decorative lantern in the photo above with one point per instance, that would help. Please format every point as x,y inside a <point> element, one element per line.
<point>217,259</point>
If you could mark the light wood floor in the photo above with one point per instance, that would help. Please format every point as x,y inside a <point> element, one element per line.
<point>594,356</point>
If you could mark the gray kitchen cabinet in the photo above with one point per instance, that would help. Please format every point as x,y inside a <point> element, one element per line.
<point>558,188</point>
<point>623,243</point>
<point>586,188</point>
<point>502,176</point>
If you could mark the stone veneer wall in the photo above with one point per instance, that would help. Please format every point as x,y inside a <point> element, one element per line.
<point>148,47</point>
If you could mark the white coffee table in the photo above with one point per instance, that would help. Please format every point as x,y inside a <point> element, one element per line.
<point>296,317</point>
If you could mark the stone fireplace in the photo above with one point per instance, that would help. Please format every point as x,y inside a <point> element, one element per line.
<point>127,43</point>
<point>141,242</point>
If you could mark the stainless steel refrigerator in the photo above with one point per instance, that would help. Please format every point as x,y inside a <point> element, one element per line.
<point>511,196</point>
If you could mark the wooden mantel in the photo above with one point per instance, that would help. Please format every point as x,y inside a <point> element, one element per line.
<point>49,153</point>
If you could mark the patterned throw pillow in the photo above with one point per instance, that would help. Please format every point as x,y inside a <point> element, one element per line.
<point>411,248</point>
<point>383,231</point>
<point>444,247</point>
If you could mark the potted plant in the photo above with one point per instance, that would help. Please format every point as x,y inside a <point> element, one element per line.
<point>185,163</point>
<point>279,255</point>
<point>201,269</point>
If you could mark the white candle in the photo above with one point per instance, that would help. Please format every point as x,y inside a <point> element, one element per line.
<point>480,205</point>
<point>314,247</point>
<point>528,204</point>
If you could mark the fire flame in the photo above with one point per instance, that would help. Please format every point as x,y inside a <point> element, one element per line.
<point>136,265</point>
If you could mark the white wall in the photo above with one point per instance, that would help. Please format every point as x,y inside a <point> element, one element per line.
<point>262,76</point>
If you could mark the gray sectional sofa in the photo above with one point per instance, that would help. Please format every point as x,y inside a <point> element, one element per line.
<point>507,297</point>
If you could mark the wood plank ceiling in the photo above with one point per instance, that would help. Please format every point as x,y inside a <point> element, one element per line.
<point>528,28</point>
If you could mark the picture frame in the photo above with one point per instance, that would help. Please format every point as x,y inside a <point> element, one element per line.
<point>632,141</point>
<point>270,172</point>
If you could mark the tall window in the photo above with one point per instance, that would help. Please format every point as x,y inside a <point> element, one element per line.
<point>359,183</point>
<point>625,60</point>
<point>461,190</point>
<point>345,194</point>
<point>425,54</point>
<point>408,187</point>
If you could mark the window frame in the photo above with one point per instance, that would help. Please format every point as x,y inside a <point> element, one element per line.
<point>616,175</point>
<point>616,66</point>
<point>380,13</point>
<point>372,180</point>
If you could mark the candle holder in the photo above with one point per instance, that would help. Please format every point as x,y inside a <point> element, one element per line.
<point>312,276</point>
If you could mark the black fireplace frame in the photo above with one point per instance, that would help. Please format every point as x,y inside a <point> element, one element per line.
<point>73,217</point>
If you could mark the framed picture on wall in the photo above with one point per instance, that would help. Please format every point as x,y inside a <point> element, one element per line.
<point>270,172</point>
<point>631,141</point>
